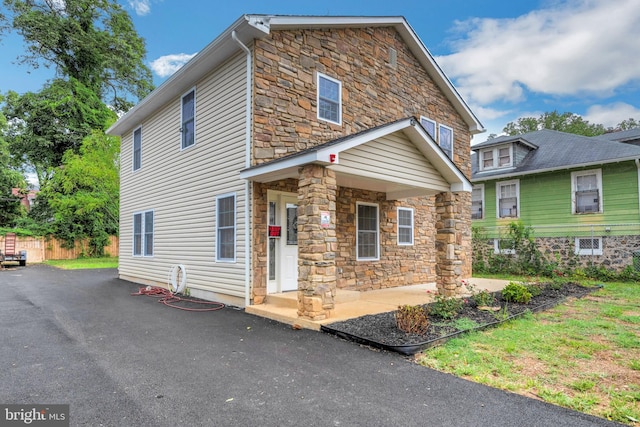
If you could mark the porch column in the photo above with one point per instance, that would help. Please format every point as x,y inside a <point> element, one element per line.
<point>453,241</point>
<point>317,242</point>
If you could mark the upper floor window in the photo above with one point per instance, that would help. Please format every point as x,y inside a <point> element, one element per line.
<point>405,226</point>
<point>508,199</point>
<point>137,149</point>
<point>586,191</point>
<point>477,202</point>
<point>329,99</point>
<point>367,231</point>
<point>496,157</point>
<point>226,227</point>
<point>446,140</point>
<point>188,119</point>
<point>143,233</point>
<point>430,126</point>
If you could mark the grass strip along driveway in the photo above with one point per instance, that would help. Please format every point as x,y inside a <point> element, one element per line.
<point>583,354</point>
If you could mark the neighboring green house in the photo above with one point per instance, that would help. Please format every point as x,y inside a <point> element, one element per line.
<point>579,194</point>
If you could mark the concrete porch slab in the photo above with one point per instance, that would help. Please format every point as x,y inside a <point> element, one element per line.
<point>351,304</point>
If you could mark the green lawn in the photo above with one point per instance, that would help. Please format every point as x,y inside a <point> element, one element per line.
<point>583,354</point>
<point>84,263</point>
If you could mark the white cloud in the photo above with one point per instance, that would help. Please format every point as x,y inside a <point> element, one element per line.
<point>578,46</point>
<point>169,64</point>
<point>612,114</point>
<point>141,7</point>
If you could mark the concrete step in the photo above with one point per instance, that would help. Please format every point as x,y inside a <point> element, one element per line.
<point>290,299</point>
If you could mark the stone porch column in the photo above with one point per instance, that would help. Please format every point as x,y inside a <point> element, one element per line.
<point>317,242</point>
<point>453,244</point>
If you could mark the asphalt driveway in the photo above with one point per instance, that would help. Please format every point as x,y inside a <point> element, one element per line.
<point>80,338</point>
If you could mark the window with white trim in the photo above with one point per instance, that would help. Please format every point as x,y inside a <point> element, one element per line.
<point>445,139</point>
<point>367,230</point>
<point>586,191</point>
<point>143,233</point>
<point>137,149</point>
<point>329,99</point>
<point>188,119</point>
<point>508,199</point>
<point>430,126</point>
<point>588,246</point>
<point>496,157</point>
<point>405,226</point>
<point>477,202</point>
<point>226,227</point>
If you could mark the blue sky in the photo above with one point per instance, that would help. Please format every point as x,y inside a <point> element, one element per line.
<point>508,59</point>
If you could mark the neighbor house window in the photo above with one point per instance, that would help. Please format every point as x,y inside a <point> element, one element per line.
<point>445,139</point>
<point>329,99</point>
<point>143,233</point>
<point>367,231</point>
<point>226,227</point>
<point>508,194</point>
<point>586,189</point>
<point>405,226</point>
<point>503,247</point>
<point>477,202</point>
<point>430,126</point>
<point>137,149</point>
<point>496,157</point>
<point>188,120</point>
<point>588,246</point>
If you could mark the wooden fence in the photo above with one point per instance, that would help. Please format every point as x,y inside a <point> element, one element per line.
<point>40,249</point>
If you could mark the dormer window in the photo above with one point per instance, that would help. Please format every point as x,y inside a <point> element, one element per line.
<point>496,157</point>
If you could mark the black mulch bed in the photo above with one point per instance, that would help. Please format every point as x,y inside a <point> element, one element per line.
<point>380,331</point>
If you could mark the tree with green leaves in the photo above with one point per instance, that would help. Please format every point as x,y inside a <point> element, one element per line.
<point>45,125</point>
<point>563,122</point>
<point>10,208</point>
<point>83,194</point>
<point>91,41</point>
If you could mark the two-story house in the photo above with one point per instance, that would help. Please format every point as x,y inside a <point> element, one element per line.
<point>579,194</point>
<point>289,155</point>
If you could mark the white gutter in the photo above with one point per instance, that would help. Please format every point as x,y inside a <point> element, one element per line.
<point>247,189</point>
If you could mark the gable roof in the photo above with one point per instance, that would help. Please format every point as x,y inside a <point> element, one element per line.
<point>250,27</point>
<point>328,154</point>
<point>556,151</point>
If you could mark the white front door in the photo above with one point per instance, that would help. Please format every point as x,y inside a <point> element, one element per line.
<point>283,250</point>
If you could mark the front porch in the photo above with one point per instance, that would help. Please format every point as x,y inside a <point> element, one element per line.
<point>283,307</point>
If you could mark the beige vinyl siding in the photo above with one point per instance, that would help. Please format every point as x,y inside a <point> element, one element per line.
<point>181,186</point>
<point>394,158</point>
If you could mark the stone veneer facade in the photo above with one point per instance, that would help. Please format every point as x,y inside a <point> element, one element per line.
<point>375,92</point>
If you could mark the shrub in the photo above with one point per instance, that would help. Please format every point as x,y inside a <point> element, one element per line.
<point>516,292</point>
<point>484,298</point>
<point>534,289</point>
<point>412,319</point>
<point>445,307</point>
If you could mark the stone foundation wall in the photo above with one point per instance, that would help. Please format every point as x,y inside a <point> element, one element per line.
<point>617,251</point>
<point>398,265</point>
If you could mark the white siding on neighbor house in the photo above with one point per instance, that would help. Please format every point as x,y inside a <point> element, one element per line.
<point>181,186</point>
<point>394,158</point>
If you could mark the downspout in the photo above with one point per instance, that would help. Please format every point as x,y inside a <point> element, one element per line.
<point>247,188</point>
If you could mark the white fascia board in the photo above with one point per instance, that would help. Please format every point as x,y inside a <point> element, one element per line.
<point>215,53</point>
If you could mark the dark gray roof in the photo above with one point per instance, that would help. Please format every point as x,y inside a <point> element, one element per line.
<point>556,150</point>
<point>623,135</point>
